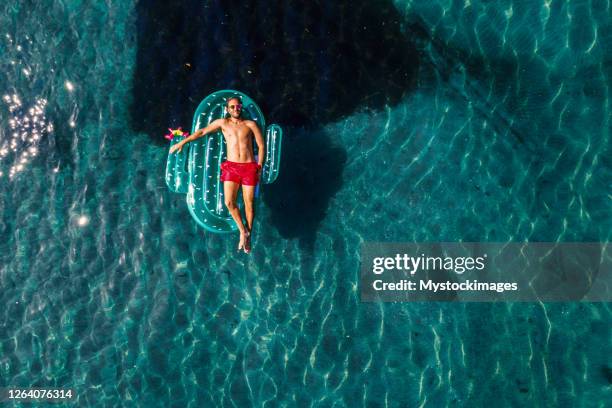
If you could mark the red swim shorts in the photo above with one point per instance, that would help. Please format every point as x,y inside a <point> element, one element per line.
<point>241,173</point>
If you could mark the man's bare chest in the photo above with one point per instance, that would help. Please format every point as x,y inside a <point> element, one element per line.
<point>236,133</point>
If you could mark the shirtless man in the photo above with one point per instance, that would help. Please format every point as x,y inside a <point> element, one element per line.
<point>240,167</point>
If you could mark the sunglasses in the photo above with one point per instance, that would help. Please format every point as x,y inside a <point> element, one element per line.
<point>236,107</point>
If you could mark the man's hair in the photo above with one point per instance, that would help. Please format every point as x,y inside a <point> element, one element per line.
<point>232,98</point>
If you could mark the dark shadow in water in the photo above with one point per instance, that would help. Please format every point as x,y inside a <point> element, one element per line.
<point>310,175</point>
<point>305,63</point>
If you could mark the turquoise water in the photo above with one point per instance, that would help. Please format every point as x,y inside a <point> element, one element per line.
<point>495,127</point>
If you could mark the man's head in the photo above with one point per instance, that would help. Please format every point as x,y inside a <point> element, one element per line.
<point>234,107</point>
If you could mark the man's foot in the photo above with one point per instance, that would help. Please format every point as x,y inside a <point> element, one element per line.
<point>243,236</point>
<point>247,243</point>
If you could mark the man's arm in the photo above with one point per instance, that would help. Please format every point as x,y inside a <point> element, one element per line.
<point>261,146</point>
<point>213,126</point>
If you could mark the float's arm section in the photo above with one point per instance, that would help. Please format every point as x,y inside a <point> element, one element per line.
<point>177,176</point>
<point>271,167</point>
<point>177,168</point>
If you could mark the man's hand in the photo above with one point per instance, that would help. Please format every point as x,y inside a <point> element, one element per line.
<point>259,170</point>
<point>178,146</point>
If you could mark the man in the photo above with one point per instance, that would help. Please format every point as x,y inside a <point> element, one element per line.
<point>240,167</point>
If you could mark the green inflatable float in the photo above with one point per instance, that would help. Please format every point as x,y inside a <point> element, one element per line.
<point>196,171</point>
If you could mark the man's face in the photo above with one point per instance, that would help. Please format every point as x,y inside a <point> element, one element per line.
<point>234,108</point>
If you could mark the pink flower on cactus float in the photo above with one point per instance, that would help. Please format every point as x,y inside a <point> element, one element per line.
<point>176,132</point>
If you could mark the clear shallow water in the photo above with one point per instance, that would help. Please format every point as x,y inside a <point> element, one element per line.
<point>109,287</point>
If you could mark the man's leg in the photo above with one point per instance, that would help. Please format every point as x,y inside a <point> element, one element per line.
<point>230,191</point>
<point>248,195</point>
